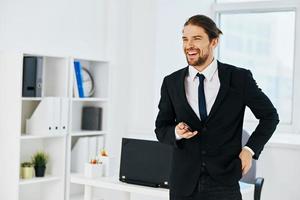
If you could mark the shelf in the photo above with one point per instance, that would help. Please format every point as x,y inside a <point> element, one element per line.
<point>32,137</point>
<point>73,99</point>
<point>91,59</point>
<point>31,98</point>
<point>88,133</point>
<point>81,197</point>
<point>44,55</point>
<point>90,99</point>
<point>47,178</point>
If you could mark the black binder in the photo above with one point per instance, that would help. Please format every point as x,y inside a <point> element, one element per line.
<point>29,76</point>
<point>91,118</point>
<point>145,162</point>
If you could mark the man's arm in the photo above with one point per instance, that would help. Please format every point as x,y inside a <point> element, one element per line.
<point>165,122</point>
<point>264,111</point>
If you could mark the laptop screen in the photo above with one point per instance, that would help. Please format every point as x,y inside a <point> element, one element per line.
<point>145,162</point>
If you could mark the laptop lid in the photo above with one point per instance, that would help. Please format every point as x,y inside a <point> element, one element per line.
<point>145,162</point>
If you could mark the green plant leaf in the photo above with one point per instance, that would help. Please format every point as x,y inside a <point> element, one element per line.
<point>40,158</point>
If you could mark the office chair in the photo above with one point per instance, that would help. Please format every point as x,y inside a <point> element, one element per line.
<point>250,177</point>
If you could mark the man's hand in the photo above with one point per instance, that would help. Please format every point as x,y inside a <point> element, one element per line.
<point>246,158</point>
<point>183,130</point>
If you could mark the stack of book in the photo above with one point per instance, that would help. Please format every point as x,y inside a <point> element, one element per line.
<point>78,80</point>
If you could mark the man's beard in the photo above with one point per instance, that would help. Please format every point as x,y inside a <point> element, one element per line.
<point>201,60</point>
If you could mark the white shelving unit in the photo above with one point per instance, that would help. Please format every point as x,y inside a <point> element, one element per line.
<point>92,138</point>
<point>17,146</point>
<point>55,84</point>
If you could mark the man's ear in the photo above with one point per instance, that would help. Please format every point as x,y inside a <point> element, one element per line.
<point>214,42</point>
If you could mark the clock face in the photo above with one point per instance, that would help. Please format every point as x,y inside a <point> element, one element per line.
<point>88,84</point>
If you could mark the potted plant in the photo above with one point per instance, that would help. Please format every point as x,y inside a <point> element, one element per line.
<point>26,170</point>
<point>39,160</point>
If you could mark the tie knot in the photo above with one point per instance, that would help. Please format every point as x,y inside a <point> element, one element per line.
<point>201,77</point>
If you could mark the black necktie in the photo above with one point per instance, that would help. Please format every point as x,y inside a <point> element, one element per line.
<point>201,98</point>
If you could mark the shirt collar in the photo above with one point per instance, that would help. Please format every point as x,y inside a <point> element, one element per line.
<point>208,72</point>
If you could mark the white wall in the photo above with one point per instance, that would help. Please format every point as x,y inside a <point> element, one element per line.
<point>279,165</point>
<point>119,30</point>
<point>142,60</point>
<point>68,27</point>
<point>155,52</point>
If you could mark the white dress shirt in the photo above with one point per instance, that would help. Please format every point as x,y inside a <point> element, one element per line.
<point>211,89</point>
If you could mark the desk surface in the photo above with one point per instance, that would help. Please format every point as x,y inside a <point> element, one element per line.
<point>114,184</point>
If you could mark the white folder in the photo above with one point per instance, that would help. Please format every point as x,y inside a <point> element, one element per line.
<point>56,115</point>
<point>41,121</point>
<point>64,115</point>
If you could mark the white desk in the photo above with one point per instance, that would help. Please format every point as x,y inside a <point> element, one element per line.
<point>113,183</point>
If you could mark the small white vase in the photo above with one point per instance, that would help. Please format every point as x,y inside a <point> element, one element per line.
<point>93,170</point>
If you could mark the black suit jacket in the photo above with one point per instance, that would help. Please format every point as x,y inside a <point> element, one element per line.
<point>218,142</point>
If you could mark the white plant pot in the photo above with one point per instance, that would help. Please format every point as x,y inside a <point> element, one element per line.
<point>93,170</point>
<point>108,164</point>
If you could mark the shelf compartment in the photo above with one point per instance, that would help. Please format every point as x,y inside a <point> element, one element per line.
<point>47,188</point>
<point>53,146</point>
<point>77,107</point>
<point>55,73</point>
<point>34,180</point>
<point>83,149</point>
<point>28,107</point>
<point>100,73</point>
<point>55,82</point>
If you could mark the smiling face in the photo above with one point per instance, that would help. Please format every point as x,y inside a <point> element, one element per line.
<point>197,46</point>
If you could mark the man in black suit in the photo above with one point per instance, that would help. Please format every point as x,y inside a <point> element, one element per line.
<point>201,114</point>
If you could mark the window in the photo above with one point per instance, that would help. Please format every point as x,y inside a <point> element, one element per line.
<point>262,40</point>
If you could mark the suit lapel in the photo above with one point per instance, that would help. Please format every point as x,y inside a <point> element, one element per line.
<point>182,95</point>
<point>224,76</point>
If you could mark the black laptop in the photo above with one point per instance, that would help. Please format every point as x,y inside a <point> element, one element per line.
<point>145,162</point>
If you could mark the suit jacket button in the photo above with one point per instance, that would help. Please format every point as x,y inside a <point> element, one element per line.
<point>203,152</point>
<point>203,164</point>
<point>204,129</point>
